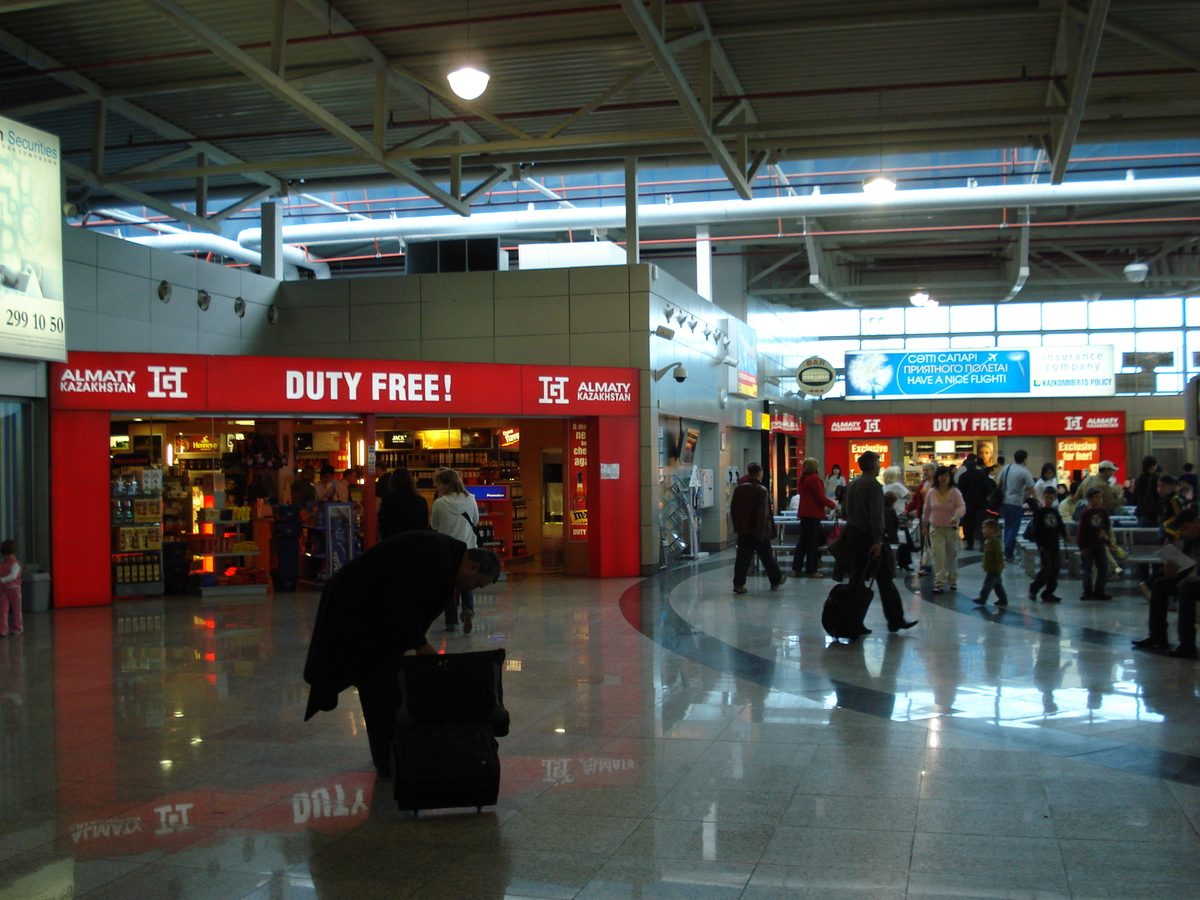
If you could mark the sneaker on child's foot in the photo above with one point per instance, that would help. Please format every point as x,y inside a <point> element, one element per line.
<point>740,589</point>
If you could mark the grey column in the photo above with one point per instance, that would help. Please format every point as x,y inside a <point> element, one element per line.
<point>703,263</point>
<point>272,240</point>
<point>632,238</point>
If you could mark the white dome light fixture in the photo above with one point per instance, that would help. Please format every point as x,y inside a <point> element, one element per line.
<point>880,185</point>
<point>468,82</point>
<point>1136,272</point>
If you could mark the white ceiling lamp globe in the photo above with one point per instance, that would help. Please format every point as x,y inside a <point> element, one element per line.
<point>468,82</point>
<point>880,185</point>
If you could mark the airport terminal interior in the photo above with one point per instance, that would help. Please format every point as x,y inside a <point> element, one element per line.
<point>740,189</point>
<point>669,739</point>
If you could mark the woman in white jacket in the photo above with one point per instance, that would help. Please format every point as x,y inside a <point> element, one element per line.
<point>455,513</point>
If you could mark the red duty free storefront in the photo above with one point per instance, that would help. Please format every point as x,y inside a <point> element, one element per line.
<point>1077,440</point>
<point>599,404</point>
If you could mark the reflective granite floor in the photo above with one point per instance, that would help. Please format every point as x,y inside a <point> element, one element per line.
<point>670,740</point>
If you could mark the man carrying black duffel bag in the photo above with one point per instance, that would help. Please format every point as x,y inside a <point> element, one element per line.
<point>866,539</point>
<point>375,608</point>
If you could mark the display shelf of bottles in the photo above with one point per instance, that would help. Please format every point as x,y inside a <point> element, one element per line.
<point>137,535</point>
<point>482,466</point>
<point>229,544</point>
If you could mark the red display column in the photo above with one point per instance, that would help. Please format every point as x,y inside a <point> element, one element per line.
<point>80,513</point>
<point>614,526</point>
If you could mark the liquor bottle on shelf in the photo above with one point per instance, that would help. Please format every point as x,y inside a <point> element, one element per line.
<point>579,502</point>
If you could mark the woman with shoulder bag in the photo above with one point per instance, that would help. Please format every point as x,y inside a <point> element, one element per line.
<point>456,513</point>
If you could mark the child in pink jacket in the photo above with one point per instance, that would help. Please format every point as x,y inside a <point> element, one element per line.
<point>10,589</point>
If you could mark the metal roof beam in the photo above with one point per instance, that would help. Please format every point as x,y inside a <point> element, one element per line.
<point>36,59</point>
<point>676,80</point>
<point>330,18</point>
<point>775,265</point>
<point>277,86</point>
<point>1085,262</point>
<point>83,176</point>
<point>279,37</point>
<point>486,185</point>
<point>445,93</point>
<point>1063,137</point>
<point>43,106</point>
<point>238,205</point>
<point>599,99</point>
<point>161,161</point>
<point>9,6</point>
<point>717,58</point>
<point>1141,38</point>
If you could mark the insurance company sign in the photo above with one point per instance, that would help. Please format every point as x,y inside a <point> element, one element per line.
<point>998,372</point>
<point>127,381</point>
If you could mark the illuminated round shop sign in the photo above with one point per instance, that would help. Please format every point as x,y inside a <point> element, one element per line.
<point>815,376</point>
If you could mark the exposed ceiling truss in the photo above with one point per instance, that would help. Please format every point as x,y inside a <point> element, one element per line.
<point>197,115</point>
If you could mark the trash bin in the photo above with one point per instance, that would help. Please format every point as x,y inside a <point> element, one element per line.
<point>35,589</point>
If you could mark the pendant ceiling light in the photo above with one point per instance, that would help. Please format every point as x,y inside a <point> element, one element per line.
<point>468,81</point>
<point>880,184</point>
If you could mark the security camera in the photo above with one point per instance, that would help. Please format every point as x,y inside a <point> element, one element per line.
<point>1136,272</point>
<point>681,374</point>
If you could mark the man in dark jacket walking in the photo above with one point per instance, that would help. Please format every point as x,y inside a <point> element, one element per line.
<point>975,486</point>
<point>866,540</point>
<point>750,510</point>
<point>374,609</point>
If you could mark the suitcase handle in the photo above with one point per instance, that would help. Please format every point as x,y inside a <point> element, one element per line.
<point>872,570</point>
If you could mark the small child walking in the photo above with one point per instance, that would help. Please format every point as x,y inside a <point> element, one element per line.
<point>10,589</point>
<point>1049,533</point>
<point>993,564</point>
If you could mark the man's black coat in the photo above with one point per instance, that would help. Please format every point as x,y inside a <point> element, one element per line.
<point>375,608</point>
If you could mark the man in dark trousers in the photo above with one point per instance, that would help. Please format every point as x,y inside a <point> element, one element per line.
<point>1180,583</point>
<point>750,510</point>
<point>866,542</point>
<point>374,609</point>
<point>974,485</point>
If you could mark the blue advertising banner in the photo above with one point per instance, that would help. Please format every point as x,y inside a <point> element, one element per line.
<point>998,372</point>
<point>925,372</point>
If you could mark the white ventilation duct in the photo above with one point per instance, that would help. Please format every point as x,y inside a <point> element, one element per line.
<point>198,241</point>
<point>1160,190</point>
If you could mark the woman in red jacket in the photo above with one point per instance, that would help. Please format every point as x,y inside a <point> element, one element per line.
<point>813,504</point>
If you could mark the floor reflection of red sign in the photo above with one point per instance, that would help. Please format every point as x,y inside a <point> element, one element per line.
<point>522,772</point>
<point>330,805</point>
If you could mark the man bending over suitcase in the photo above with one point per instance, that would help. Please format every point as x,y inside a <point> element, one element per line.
<point>374,609</point>
<point>866,540</point>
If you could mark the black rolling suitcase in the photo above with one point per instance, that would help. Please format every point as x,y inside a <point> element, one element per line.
<point>846,607</point>
<point>445,752</point>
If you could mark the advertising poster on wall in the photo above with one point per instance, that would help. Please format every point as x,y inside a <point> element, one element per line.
<point>999,372</point>
<point>1077,453</point>
<point>858,448</point>
<point>31,280</point>
<point>577,512</point>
